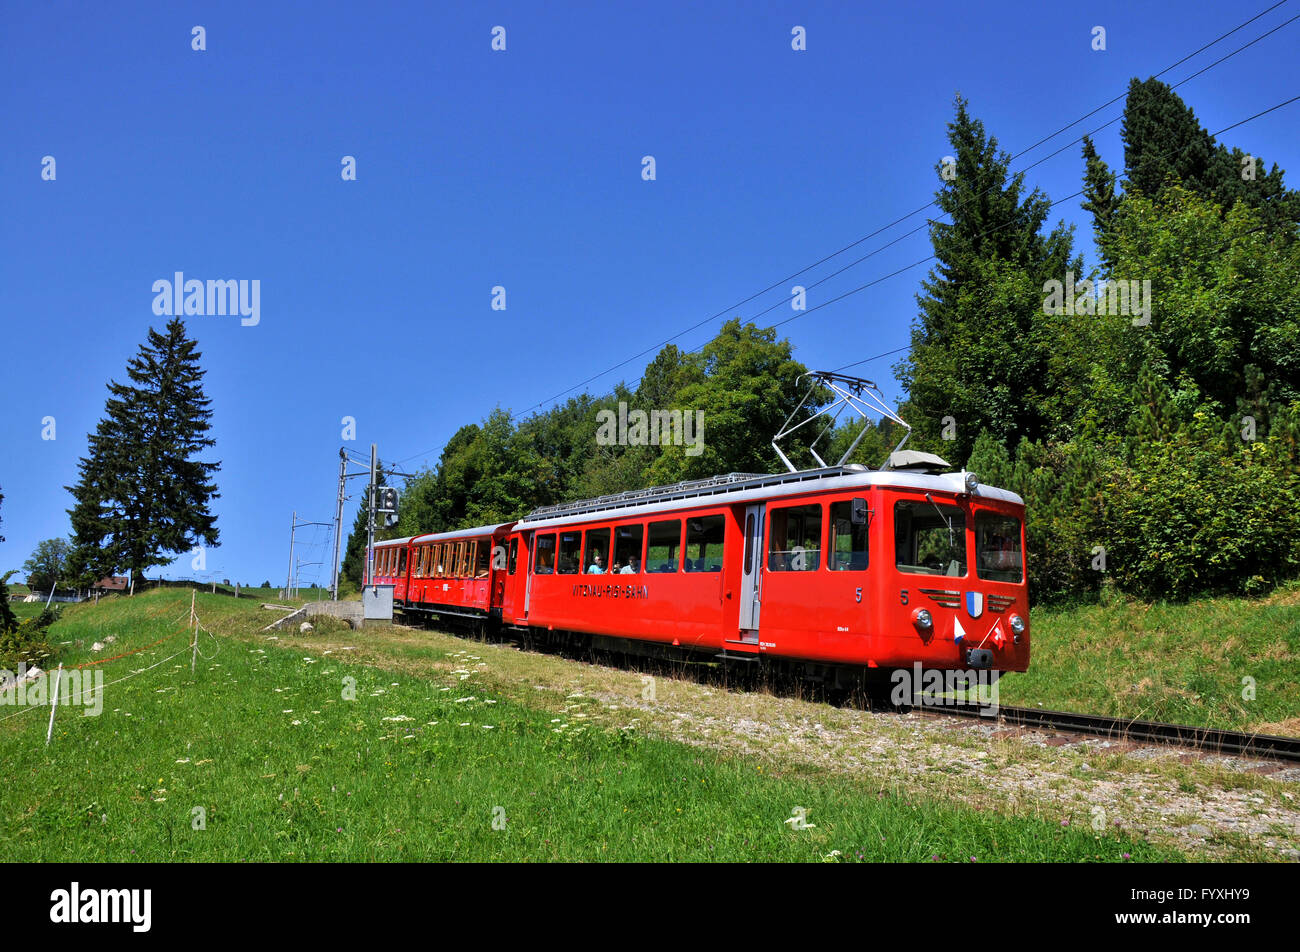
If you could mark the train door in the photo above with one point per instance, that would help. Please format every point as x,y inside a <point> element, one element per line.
<point>526,550</point>
<point>506,592</point>
<point>751,572</point>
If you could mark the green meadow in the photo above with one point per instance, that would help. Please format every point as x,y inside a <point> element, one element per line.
<point>270,753</point>
<point>1230,663</point>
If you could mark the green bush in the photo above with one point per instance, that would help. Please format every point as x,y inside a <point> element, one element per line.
<point>26,642</point>
<point>1199,514</point>
<point>1059,483</point>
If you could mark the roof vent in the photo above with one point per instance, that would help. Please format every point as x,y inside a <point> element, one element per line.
<point>912,461</point>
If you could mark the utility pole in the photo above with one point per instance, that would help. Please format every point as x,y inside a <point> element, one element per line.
<point>288,582</point>
<point>338,524</point>
<point>370,518</point>
<point>293,527</point>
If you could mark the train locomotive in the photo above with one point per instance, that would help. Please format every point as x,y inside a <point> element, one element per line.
<point>841,571</point>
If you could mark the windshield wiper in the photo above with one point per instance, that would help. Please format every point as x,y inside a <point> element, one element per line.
<point>952,540</point>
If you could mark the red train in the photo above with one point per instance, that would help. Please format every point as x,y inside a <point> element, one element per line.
<point>838,570</point>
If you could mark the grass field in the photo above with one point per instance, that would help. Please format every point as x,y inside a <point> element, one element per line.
<point>288,760</point>
<point>25,610</point>
<point>1193,663</point>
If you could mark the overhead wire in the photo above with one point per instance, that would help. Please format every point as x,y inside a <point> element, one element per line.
<point>785,301</point>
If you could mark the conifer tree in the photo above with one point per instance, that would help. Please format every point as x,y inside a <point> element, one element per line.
<point>981,345</point>
<point>141,495</point>
<point>1101,199</point>
<point>1165,144</point>
<point>1163,141</point>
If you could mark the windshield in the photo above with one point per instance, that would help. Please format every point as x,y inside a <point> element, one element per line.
<point>997,546</point>
<point>930,538</point>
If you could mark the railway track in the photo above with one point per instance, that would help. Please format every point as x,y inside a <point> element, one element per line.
<point>1205,739</point>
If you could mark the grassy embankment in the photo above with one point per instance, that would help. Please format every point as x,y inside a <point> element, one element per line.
<point>1195,663</point>
<point>417,766</point>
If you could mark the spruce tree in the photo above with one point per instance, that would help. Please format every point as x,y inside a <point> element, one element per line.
<point>1163,141</point>
<point>141,495</point>
<point>1164,144</point>
<point>1101,200</point>
<point>981,345</point>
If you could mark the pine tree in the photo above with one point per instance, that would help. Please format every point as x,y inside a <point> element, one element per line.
<point>981,346</point>
<point>1164,142</point>
<point>140,494</point>
<point>1101,199</point>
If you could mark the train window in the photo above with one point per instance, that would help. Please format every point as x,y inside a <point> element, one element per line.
<point>627,549</point>
<point>930,539</point>
<point>663,545</point>
<point>471,558</point>
<point>433,570</point>
<point>484,555</point>
<point>848,550</point>
<point>514,555</point>
<point>401,561</point>
<point>997,548</point>
<point>569,559</point>
<point>749,543</point>
<point>794,539</point>
<point>417,565</point>
<point>596,552</point>
<point>459,570</point>
<point>704,535</point>
<point>544,561</point>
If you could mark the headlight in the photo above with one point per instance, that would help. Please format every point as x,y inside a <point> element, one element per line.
<point>921,618</point>
<point>1017,627</point>
<point>972,483</point>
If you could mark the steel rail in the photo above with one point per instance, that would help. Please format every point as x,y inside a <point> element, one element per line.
<point>1209,739</point>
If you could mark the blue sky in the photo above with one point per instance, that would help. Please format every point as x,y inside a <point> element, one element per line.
<point>520,168</point>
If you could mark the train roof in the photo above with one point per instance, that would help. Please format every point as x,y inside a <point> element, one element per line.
<point>752,487</point>
<point>460,533</point>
